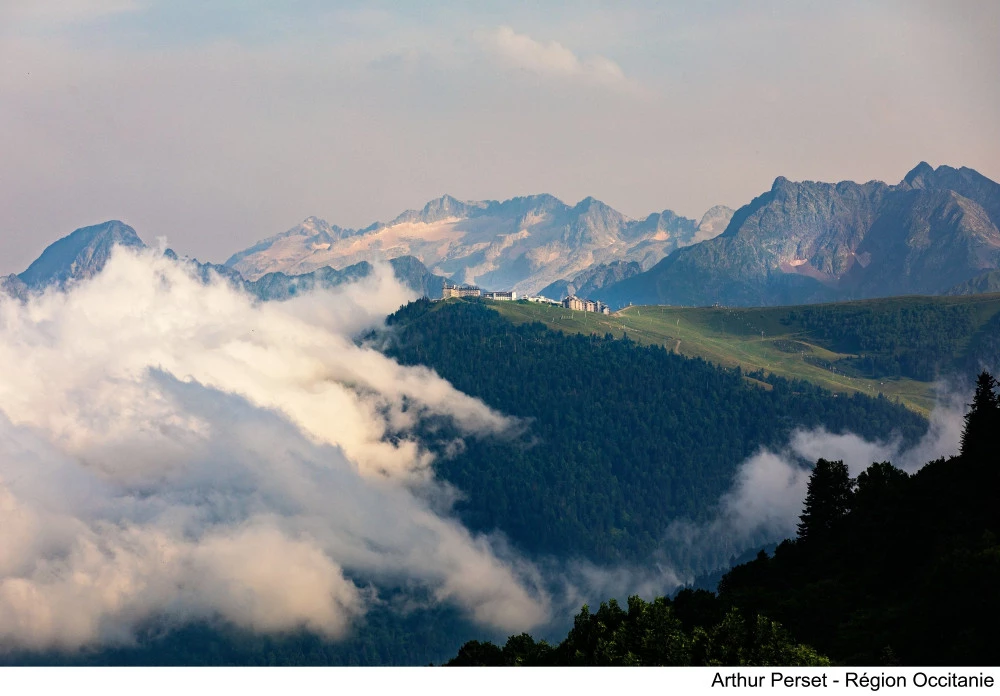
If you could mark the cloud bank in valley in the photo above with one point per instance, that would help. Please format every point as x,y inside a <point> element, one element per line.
<point>170,449</point>
<point>176,451</point>
<point>765,500</point>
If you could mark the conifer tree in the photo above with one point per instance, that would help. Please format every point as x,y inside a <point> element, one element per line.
<point>983,418</point>
<point>828,499</point>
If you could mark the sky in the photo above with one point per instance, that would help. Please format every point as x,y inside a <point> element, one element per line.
<point>216,124</point>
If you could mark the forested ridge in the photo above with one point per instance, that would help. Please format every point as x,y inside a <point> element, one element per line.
<point>888,568</point>
<point>622,438</point>
<point>919,340</point>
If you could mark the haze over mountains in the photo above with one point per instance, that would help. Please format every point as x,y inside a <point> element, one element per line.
<point>812,242</point>
<point>83,253</point>
<point>522,244</point>
<point>936,232</point>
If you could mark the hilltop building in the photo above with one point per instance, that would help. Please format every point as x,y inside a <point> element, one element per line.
<point>460,291</point>
<point>450,290</point>
<point>582,305</point>
<point>541,299</point>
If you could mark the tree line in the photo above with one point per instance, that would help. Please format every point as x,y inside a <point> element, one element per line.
<point>887,568</point>
<point>621,439</point>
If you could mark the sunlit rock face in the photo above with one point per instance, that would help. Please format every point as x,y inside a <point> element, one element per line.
<point>521,244</point>
<point>811,241</point>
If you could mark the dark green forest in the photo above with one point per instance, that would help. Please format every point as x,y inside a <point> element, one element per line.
<point>886,569</point>
<point>387,636</point>
<point>621,439</point>
<point>893,566</point>
<point>917,340</point>
<point>693,629</point>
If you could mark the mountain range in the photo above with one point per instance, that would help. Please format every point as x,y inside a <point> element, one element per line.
<point>83,253</point>
<point>935,232</point>
<point>521,244</point>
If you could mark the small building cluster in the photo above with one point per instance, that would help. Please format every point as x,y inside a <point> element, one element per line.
<point>473,291</point>
<point>582,305</point>
<point>571,302</point>
<point>460,291</point>
<point>541,299</point>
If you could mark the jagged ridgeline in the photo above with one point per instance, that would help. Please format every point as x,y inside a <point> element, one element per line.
<point>621,438</point>
<point>83,254</point>
<point>935,232</point>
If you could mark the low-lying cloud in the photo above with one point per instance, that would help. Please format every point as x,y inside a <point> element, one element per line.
<point>171,449</point>
<point>176,451</point>
<point>766,498</point>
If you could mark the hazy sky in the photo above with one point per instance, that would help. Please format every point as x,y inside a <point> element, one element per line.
<point>216,124</point>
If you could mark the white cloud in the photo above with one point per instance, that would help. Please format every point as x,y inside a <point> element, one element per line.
<point>178,451</point>
<point>550,59</point>
<point>766,497</point>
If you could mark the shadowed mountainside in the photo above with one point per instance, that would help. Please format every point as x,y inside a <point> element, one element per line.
<point>804,242</point>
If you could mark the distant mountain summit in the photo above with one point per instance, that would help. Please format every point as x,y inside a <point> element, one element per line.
<point>318,231</point>
<point>80,255</point>
<point>83,253</point>
<point>810,241</point>
<point>937,231</point>
<point>523,244</point>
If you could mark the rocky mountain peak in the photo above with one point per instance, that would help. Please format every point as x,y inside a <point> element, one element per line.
<point>918,176</point>
<point>81,254</point>
<point>781,185</point>
<point>594,209</point>
<point>713,222</point>
<point>314,223</point>
<point>442,208</point>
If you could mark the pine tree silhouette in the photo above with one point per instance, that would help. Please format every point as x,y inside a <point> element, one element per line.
<point>828,499</point>
<point>982,420</point>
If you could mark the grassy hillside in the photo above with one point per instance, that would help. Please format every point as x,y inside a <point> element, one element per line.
<point>894,346</point>
<point>620,439</point>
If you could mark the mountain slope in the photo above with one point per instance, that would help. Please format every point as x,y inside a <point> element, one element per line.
<point>988,282</point>
<point>585,480</point>
<point>80,255</point>
<point>83,253</point>
<point>278,286</point>
<point>592,279</point>
<point>14,287</point>
<point>897,346</point>
<point>522,244</point>
<point>814,242</point>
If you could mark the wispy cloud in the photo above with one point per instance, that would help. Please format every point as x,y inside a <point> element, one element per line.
<point>549,58</point>
<point>765,500</point>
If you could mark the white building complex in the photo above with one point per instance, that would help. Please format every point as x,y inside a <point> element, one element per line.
<point>460,291</point>
<point>582,305</point>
